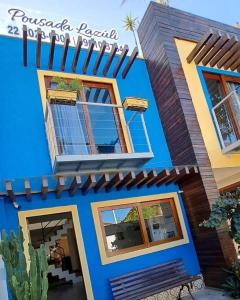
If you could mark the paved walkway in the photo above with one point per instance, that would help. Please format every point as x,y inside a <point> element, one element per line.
<point>209,294</point>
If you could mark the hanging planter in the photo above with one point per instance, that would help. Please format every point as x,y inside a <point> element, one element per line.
<point>135,104</point>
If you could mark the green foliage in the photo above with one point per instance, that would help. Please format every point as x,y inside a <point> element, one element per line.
<point>130,23</point>
<point>226,209</point>
<point>63,84</point>
<point>24,284</point>
<point>232,282</point>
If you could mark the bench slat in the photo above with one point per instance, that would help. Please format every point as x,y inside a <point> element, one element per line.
<point>177,261</point>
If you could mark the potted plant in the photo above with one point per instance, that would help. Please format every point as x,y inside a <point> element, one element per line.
<point>65,92</point>
<point>135,104</point>
<point>24,283</point>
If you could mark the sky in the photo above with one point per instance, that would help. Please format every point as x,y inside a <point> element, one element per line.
<point>109,14</point>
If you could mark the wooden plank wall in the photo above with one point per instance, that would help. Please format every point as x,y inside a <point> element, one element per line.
<point>157,30</point>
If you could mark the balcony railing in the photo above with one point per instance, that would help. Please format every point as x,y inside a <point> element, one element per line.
<point>91,136</point>
<point>226,116</point>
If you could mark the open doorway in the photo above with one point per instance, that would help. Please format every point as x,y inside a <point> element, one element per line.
<point>56,232</point>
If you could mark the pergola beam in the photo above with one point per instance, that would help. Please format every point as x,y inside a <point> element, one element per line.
<point>126,180</point>
<point>139,178</point>
<point>9,190</point>
<point>65,50</point>
<point>102,182</point>
<point>89,183</point>
<point>99,58</point>
<point>60,187</point>
<point>38,48</point>
<point>130,62</point>
<point>75,185</point>
<point>44,188</point>
<point>110,59</point>
<point>114,181</point>
<point>52,48</point>
<point>88,57</point>
<point>120,60</point>
<point>28,189</point>
<point>76,54</point>
<point>24,45</point>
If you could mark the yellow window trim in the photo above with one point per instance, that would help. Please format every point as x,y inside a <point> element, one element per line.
<point>42,73</point>
<point>106,259</point>
<point>23,215</point>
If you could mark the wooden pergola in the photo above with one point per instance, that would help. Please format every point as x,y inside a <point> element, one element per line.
<point>100,182</point>
<point>218,50</point>
<point>121,58</point>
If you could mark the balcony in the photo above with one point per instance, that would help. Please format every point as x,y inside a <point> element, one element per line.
<point>88,136</point>
<point>226,115</point>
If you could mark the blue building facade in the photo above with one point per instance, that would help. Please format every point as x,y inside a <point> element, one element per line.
<point>96,191</point>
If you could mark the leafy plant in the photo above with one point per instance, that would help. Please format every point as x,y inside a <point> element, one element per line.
<point>226,210</point>
<point>72,85</point>
<point>24,284</point>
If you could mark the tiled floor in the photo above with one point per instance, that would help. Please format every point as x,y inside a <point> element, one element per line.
<point>209,294</point>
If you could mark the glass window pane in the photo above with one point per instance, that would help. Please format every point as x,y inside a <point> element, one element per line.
<point>159,221</point>
<point>215,90</point>
<point>122,228</point>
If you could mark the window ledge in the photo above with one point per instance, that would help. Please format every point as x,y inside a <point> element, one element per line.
<point>100,162</point>
<point>232,149</point>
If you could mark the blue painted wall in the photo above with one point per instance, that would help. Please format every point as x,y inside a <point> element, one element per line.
<point>24,153</point>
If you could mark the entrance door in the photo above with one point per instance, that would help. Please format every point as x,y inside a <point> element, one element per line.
<point>57,232</point>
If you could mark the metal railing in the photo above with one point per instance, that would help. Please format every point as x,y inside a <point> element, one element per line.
<point>226,115</point>
<point>93,128</point>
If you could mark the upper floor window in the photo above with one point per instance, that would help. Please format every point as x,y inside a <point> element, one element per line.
<point>88,125</point>
<point>139,225</point>
<point>225,104</point>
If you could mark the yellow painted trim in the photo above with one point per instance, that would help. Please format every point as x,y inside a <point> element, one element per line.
<point>112,81</point>
<point>105,259</point>
<point>23,215</point>
<point>217,158</point>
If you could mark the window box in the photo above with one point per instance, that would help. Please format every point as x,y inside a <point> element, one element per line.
<point>135,104</point>
<point>62,96</point>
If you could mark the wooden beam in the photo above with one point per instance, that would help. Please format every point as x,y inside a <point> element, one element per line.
<point>24,45</point>
<point>182,173</point>
<point>110,59</point>
<point>120,60</point>
<point>173,174</point>
<point>151,175</point>
<point>105,96</point>
<point>235,65</point>
<point>114,181</point>
<point>60,187</point>
<point>208,46</point>
<point>102,182</point>
<point>99,58</point>
<point>52,48</point>
<point>89,183</point>
<point>9,190</point>
<point>131,60</point>
<point>223,51</point>
<point>95,98</point>
<point>38,48</point>
<point>139,178</point>
<point>76,54</point>
<point>44,189</point>
<point>228,55</point>
<point>88,57</point>
<point>232,60</point>
<point>220,43</point>
<point>126,180</point>
<point>65,50</point>
<point>199,46</point>
<point>161,175</point>
<point>75,185</point>
<point>28,189</point>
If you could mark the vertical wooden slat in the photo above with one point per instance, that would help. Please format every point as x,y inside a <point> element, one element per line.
<point>76,54</point>
<point>9,190</point>
<point>38,48</point>
<point>99,58</point>
<point>102,182</point>
<point>114,181</point>
<point>88,57</point>
<point>65,50</point>
<point>126,180</point>
<point>52,48</point>
<point>28,189</point>
<point>44,189</point>
<point>120,60</point>
<point>60,187</point>
<point>24,45</point>
<point>75,185</point>
<point>89,183</point>
<point>110,59</point>
<point>130,62</point>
